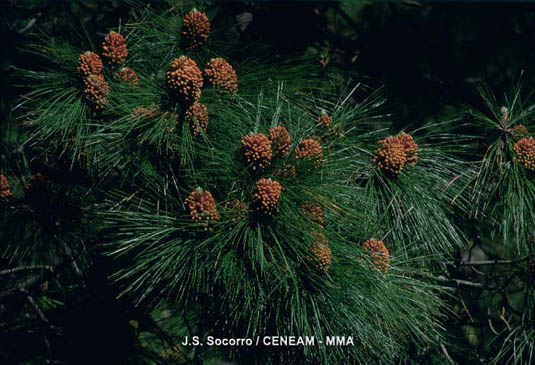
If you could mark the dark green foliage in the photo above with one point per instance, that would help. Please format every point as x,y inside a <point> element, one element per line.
<point>107,225</point>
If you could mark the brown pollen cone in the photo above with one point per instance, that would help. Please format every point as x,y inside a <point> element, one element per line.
<point>314,212</point>
<point>197,117</point>
<point>127,76</point>
<point>309,150</point>
<point>525,152</point>
<point>266,196</point>
<point>96,90</point>
<point>519,130</point>
<point>321,252</point>
<point>220,74</point>
<point>201,207</point>
<point>256,149</point>
<point>89,63</point>
<point>391,158</point>
<point>5,189</point>
<point>195,29</point>
<point>281,140</point>
<point>410,147</point>
<point>114,48</point>
<point>378,253</point>
<point>236,209</point>
<point>144,113</point>
<point>184,78</point>
<point>324,120</point>
<point>286,170</point>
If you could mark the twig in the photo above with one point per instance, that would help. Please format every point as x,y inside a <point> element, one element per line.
<point>487,262</point>
<point>459,282</point>
<point>446,354</point>
<point>466,309</point>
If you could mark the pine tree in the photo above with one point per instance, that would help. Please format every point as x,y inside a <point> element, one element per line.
<point>236,197</point>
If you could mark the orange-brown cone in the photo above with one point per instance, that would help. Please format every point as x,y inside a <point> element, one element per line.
<point>184,78</point>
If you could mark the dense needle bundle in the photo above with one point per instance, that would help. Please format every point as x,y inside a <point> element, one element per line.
<point>280,139</point>
<point>89,63</point>
<point>195,29</point>
<point>266,196</point>
<point>127,75</point>
<point>309,150</point>
<point>256,149</point>
<point>201,207</point>
<point>114,48</point>
<point>220,74</point>
<point>197,117</point>
<point>175,247</point>
<point>378,253</point>
<point>321,252</point>
<point>5,189</point>
<point>525,152</point>
<point>96,90</point>
<point>314,212</point>
<point>184,78</point>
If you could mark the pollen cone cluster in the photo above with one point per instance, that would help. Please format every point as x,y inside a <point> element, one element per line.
<point>266,196</point>
<point>236,209</point>
<point>519,130</point>
<point>127,75</point>
<point>114,48</point>
<point>221,75</point>
<point>89,63</point>
<point>309,150</point>
<point>321,252</point>
<point>256,149</point>
<point>314,212</point>
<point>195,29</point>
<point>325,120</point>
<point>96,90</point>
<point>410,147</point>
<point>5,189</point>
<point>201,207</point>
<point>525,152</point>
<point>378,253</point>
<point>391,158</point>
<point>144,113</point>
<point>184,78</point>
<point>281,140</point>
<point>197,117</point>
<point>286,170</point>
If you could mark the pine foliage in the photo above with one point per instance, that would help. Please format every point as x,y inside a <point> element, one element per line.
<point>246,197</point>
